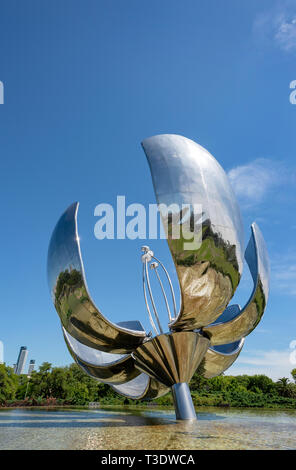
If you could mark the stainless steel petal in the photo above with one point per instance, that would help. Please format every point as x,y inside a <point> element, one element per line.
<point>183,172</point>
<point>91,355</point>
<point>245,320</point>
<point>106,369</point>
<point>229,313</point>
<point>78,313</point>
<point>172,357</point>
<point>220,358</point>
<point>142,387</point>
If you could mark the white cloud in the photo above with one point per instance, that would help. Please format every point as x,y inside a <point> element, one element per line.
<point>275,364</point>
<point>283,269</point>
<point>251,182</point>
<point>262,330</point>
<point>260,181</point>
<point>278,26</point>
<point>285,34</point>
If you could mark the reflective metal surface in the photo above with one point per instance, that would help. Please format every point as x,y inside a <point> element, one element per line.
<point>142,387</point>
<point>245,320</point>
<point>106,367</point>
<point>183,172</point>
<point>219,358</point>
<point>78,313</point>
<point>183,401</point>
<point>205,328</point>
<point>172,357</point>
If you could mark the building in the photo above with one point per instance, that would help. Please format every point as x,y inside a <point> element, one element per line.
<point>21,360</point>
<point>31,366</point>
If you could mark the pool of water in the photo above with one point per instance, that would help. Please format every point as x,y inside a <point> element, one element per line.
<point>146,429</point>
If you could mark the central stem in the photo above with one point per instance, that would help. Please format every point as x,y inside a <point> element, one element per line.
<point>184,408</point>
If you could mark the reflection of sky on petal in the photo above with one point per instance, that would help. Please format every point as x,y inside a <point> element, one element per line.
<point>91,355</point>
<point>263,261</point>
<point>258,262</point>
<point>229,348</point>
<point>133,388</point>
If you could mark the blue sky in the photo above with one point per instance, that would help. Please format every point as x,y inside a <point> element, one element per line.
<point>84,83</point>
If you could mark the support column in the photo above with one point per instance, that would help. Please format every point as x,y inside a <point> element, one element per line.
<point>183,402</point>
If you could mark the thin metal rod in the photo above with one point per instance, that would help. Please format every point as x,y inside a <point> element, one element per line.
<point>164,295</point>
<point>147,305</point>
<point>170,283</point>
<point>151,297</point>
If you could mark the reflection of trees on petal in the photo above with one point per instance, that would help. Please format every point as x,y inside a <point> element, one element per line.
<point>208,276</point>
<point>220,254</point>
<point>69,283</point>
<point>67,279</point>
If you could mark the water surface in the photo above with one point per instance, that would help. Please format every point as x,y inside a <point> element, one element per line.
<point>215,428</point>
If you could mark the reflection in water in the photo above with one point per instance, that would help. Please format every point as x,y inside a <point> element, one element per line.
<point>145,429</point>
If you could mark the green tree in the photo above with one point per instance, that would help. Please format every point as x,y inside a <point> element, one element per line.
<point>104,390</point>
<point>261,384</point>
<point>78,376</point>
<point>198,381</point>
<point>22,387</point>
<point>285,388</point>
<point>40,385</point>
<point>59,382</point>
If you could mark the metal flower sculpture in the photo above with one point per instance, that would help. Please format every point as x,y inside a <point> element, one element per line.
<point>136,364</point>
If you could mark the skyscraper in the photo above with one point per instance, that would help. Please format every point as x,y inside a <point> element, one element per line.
<point>21,360</point>
<point>31,366</point>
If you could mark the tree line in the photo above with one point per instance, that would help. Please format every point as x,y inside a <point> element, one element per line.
<point>69,385</point>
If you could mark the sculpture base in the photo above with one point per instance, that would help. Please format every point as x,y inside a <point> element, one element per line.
<point>184,408</point>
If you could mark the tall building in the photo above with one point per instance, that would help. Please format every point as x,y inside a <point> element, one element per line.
<point>21,360</point>
<point>31,366</point>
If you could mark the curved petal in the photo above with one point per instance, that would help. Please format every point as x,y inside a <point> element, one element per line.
<point>142,387</point>
<point>106,367</point>
<point>78,313</point>
<point>220,358</point>
<point>229,313</point>
<point>244,321</point>
<point>184,173</point>
<point>171,358</point>
<point>90,355</point>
